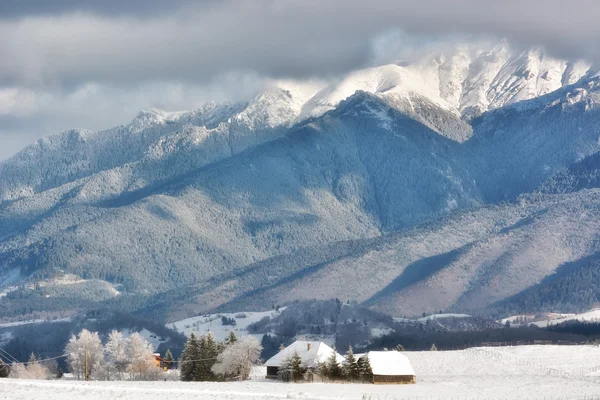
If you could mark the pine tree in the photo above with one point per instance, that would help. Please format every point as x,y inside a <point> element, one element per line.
<point>351,371</point>
<point>285,369</point>
<point>295,367</point>
<point>32,360</point>
<point>364,369</point>
<point>433,348</point>
<point>209,350</point>
<point>169,359</point>
<point>334,371</point>
<point>188,362</point>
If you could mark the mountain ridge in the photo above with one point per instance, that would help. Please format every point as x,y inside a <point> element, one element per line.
<point>193,198</point>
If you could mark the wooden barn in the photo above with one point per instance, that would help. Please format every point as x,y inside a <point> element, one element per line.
<point>390,367</point>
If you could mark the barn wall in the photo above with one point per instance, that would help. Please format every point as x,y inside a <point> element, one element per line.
<point>393,379</point>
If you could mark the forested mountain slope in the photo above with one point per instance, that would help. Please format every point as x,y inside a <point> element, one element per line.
<point>385,186</point>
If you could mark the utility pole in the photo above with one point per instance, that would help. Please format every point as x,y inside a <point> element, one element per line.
<point>86,364</point>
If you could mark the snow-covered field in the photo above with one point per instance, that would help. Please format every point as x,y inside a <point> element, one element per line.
<point>212,323</point>
<point>544,320</point>
<point>525,372</point>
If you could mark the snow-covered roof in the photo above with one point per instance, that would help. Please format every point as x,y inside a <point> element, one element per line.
<point>311,353</point>
<point>390,363</point>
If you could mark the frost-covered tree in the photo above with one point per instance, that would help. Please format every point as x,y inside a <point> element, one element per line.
<point>141,358</point>
<point>433,348</point>
<point>116,354</point>
<point>38,371</point>
<point>237,359</point>
<point>32,370</point>
<point>351,371</point>
<point>18,371</point>
<point>85,352</point>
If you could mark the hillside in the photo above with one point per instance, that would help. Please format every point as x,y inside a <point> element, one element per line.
<point>385,187</point>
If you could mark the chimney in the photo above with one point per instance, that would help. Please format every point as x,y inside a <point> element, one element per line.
<point>308,346</point>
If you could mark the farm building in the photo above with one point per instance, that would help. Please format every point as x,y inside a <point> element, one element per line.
<point>390,367</point>
<point>311,353</point>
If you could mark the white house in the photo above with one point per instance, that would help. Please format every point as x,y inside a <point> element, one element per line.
<point>311,353</point>
<point>390,367</point>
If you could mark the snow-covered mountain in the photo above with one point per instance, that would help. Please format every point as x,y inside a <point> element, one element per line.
<point>291,193</point>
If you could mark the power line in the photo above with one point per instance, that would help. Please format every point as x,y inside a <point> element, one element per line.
<point>203,359</point>
<point>8,354</point>
<point>3,358</point>
<point>39,361</point>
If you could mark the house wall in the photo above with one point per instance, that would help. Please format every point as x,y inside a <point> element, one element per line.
<point>272,372</point>
<point>393,379</point>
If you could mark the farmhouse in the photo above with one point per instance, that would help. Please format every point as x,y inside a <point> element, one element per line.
<point>311,353</point>
<point>390,367</point>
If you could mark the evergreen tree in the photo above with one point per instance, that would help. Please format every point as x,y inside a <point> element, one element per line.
<point>334,371</point>
<point>351,371</point>
<point>231,338</point>
<point>32,359</point>
<point>188,362</point>
<point>285,369</point>
<point>364,369</point>
<point>295,367</point>
<point>433,348</point>
<point>169,359</point>
<point>209,350</point>
<point>399,348</point>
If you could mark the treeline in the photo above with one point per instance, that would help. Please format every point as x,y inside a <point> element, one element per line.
<point>584,328</point>
<point>48,339</point>
<point>418,338</point>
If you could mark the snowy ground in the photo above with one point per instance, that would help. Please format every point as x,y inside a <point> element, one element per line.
<point>212,323</point>
<point>553,318</point>
<point>526,372</point>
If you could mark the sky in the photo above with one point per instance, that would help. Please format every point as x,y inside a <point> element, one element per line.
<point>94,64</point>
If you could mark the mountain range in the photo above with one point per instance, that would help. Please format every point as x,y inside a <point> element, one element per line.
<point>464,181</point>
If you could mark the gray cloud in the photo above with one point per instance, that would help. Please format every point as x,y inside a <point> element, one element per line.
<point>22,8</point>
<point>131,50</point>
<point>275,38</point>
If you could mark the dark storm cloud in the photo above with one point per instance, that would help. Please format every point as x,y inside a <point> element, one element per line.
<point>109,41</point>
